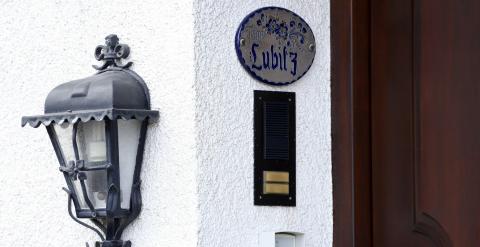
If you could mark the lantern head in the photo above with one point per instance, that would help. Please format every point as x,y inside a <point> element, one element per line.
<point>98,126</point>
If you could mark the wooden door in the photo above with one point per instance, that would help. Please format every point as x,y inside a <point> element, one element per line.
<point>424,125</point>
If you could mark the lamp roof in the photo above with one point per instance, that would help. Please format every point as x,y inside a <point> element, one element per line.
<point>112,93</point>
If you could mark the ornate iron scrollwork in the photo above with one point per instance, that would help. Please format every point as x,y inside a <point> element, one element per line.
<point>112,53</point>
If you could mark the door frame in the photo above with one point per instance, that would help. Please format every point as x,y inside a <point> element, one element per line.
<point>351,114</point>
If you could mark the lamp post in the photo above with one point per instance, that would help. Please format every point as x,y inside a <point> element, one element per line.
<point>97,126</point>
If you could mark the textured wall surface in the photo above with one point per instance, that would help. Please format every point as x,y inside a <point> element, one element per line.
<point>44,43</point>
<point>224,115</point>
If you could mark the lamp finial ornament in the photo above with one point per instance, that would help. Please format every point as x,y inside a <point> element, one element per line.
<point>112,53</point>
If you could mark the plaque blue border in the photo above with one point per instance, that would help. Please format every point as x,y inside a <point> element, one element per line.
<point>241,27</point>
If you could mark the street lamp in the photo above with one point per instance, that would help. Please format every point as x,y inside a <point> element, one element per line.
<point>97,126</point>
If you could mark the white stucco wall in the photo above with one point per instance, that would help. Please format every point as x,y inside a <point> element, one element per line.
<point>224,116</point>
<point>198,167</point>
<point>44,43</point>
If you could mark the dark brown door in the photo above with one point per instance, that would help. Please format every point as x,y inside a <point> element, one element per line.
<point>425,123</point>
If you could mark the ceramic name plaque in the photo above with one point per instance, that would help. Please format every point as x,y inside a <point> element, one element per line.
<point>275,45</point>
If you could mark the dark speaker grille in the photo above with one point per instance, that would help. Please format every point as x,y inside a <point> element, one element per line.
<point>276,130</point>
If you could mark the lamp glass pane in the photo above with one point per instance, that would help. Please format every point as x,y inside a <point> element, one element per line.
<point>92,149</point>
<point>64,135</point>
<point>128,140</point>
<point>91,141</point>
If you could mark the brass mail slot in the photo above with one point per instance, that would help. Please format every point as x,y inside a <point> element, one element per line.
<point>274,188</point>
<point>279,177</point>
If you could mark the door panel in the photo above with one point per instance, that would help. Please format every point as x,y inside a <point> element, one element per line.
<point>425,87</point>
